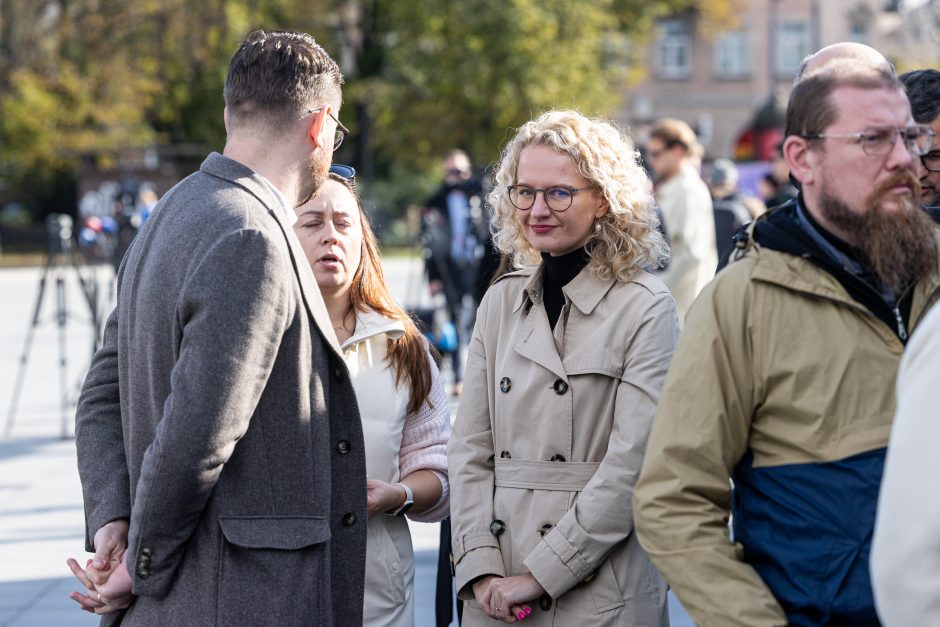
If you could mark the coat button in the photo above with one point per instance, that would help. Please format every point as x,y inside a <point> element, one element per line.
<point>146,551</point>
<point>506,455</point>
<point>143,572</point>
<point>545,603</point>
<point>558,457</point>
<point>505,384</point>
<point>343,446</point>
<point>497,527</point>
<point>349,519</point>
<point>338,373</point>
<point>560,387</point>
<point>545,528</point>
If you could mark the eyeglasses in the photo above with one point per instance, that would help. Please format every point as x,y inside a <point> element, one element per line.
<point>931,161</point>
<point>880,140</point>
<point>341,130</point>
<point>557,198</point>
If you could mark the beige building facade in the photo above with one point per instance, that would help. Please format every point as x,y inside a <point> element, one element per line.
<point>720,82</point>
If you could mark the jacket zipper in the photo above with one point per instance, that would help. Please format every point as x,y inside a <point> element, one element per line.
<point>902,332</point>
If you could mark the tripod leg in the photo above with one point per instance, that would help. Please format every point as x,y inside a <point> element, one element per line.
<point>24,358</point>
<point>62,320</point>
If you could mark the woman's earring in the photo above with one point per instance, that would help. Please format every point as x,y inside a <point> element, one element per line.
<point>597,226</point>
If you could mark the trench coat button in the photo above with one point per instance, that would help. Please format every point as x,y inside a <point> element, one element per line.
<point>545,528</point>
<point>146,551</point>
<point>143,571</point>
<point>545,603</point>
<point>349,519</point>
<point>497,527</point>
<point>343,447</point>
<point>558,457</point>
<point>338,373</point>
<point>560,387</point>
<point>506,455</point>
<point>505,384</point>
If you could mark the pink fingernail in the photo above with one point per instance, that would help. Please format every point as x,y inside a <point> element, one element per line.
<point>528,611</point>
<point>521,615</point>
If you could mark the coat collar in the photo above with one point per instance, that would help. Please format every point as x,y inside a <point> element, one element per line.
<point>230,170</point>
<point>370,324</point>
<point>584,291</point>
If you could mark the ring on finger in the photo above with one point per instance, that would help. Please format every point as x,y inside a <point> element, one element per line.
<point>100,600</point>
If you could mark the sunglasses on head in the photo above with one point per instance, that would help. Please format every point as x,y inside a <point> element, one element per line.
<point>346,172</point>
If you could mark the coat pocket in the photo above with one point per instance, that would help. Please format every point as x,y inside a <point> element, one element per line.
<point>273,570</point>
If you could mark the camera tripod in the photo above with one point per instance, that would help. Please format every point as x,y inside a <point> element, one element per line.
<point>60,258</point>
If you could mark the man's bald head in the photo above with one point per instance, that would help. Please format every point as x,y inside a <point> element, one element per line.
<point>847,51</point>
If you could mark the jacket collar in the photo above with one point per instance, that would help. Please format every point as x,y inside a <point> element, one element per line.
<point>230,170</point>
<point>370,324</point>
<point>584,291</point>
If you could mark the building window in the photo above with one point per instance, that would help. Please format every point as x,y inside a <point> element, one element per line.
<point>792,45</point>
<point>673,50</point>
<point>733,55</point>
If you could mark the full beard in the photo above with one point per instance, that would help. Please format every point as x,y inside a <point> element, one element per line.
<point>319,168</point>
<point>899,245</point>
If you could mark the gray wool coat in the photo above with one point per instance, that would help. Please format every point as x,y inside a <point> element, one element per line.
<point>219,418</point>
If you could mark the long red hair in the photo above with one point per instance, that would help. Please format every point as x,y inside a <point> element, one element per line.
<point>408,355</point>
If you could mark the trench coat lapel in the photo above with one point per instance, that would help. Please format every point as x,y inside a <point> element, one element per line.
<point>535,341</point>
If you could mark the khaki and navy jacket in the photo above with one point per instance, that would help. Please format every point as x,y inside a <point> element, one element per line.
<point>548,443</point>
<point>786,383</point>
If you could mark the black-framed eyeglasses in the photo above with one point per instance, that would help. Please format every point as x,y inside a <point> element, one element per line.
<point>879,140</point>
<point>341,130</point>
<point>931,161</point>
<point>558,198</point>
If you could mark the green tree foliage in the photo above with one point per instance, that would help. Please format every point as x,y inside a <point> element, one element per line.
<point>423,76</point>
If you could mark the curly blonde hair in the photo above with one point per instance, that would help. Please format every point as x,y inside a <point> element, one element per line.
<point>628,236</point>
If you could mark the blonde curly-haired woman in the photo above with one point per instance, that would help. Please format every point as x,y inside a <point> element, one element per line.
<point>565,366</point>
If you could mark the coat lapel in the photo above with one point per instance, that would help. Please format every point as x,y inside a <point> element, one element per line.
<point>535,341</point>
<point>223,167</point>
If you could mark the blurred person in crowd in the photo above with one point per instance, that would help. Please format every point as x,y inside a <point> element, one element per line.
<point>454,236</point>
<point>905,554</point>
<point>210,425</point>
<point>563,374</point>
<point>686,204</point>
<point>730,211</point>
<point>923,90</point>
<point>402,403</point>
<point>784,189</point>
<point>784,377</point>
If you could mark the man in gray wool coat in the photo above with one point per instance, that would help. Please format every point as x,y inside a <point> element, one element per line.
<point>219,442</point>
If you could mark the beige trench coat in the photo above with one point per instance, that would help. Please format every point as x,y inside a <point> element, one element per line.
<point>548,443</point>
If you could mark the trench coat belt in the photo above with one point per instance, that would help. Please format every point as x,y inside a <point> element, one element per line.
<point>539,475</point>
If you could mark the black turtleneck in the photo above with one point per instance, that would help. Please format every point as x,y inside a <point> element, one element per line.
<point>558,272</point>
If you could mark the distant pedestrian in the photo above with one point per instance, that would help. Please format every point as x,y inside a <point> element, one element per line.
<point>686,204</point>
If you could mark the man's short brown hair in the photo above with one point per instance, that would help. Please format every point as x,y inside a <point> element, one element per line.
<point>811,109</point>
<point>276,76</point>
<point>672,132</point>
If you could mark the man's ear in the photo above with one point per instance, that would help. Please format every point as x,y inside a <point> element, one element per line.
<point>801,159</point>
<point>316,126</point>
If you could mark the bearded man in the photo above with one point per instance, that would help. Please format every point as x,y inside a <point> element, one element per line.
<point>784,378</point>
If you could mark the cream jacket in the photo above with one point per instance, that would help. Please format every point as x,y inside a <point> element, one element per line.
<point>690,224</point>
<point>397,443</point>
<point>549,440</point>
